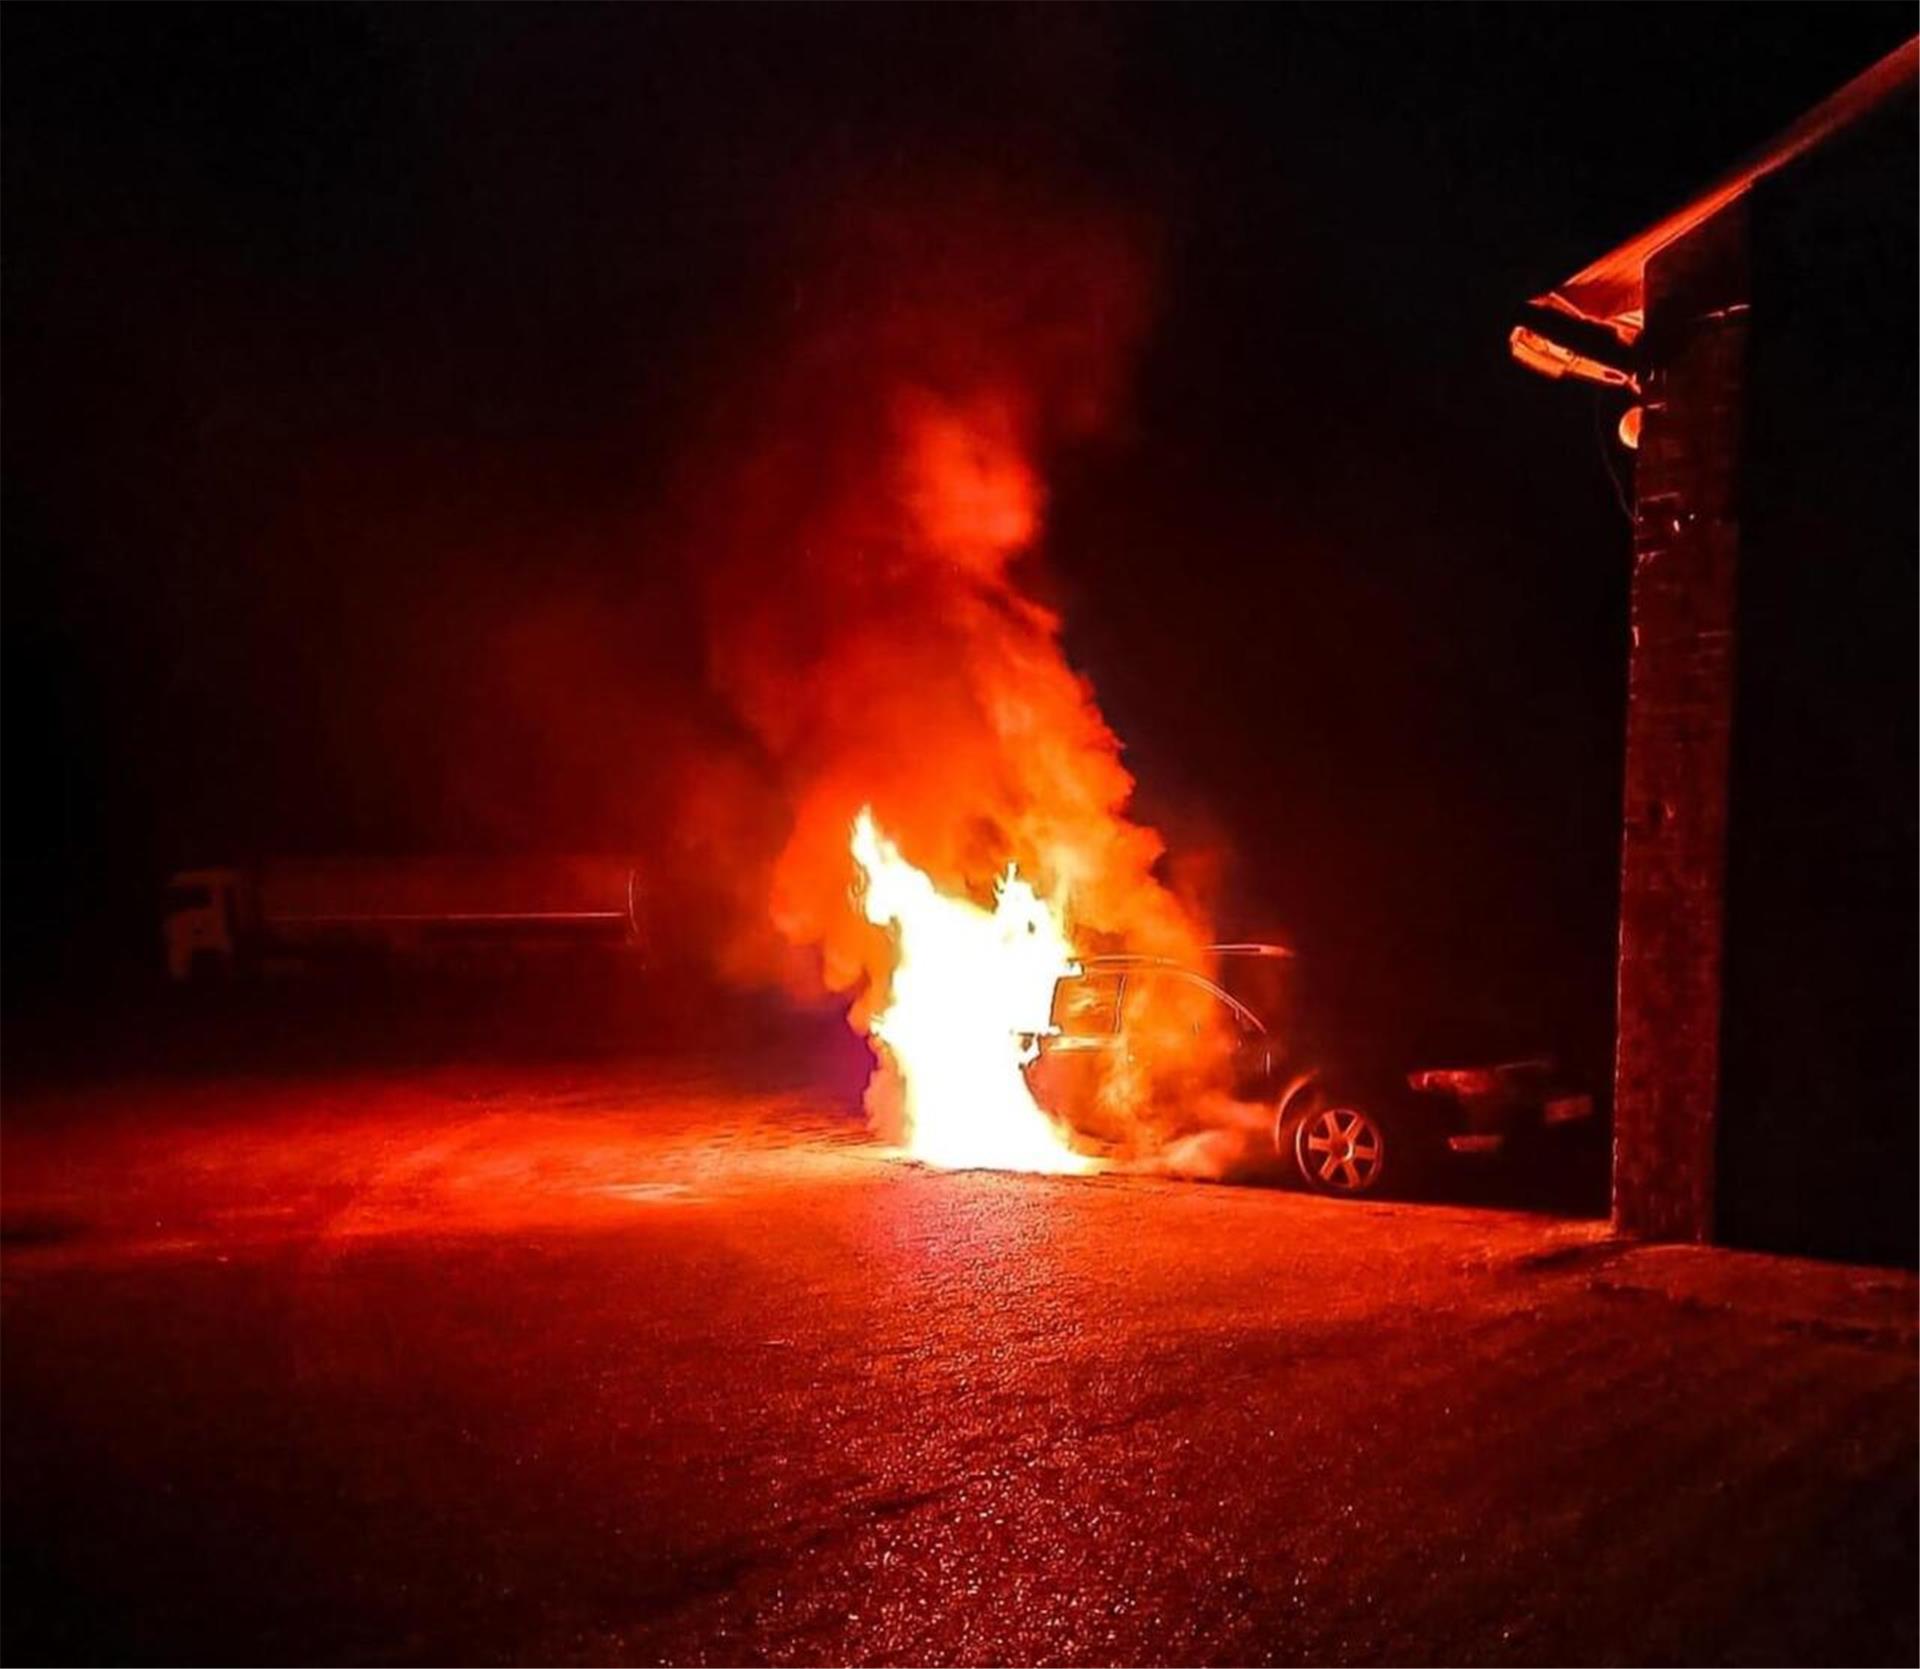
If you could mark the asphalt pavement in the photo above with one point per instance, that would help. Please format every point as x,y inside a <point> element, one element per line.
<point>638,1362</point>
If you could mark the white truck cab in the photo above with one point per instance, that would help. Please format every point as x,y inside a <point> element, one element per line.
<point>202,917</point>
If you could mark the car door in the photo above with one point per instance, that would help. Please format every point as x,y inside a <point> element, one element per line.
<point>1183,1030</point>
<point>1074,1055</point>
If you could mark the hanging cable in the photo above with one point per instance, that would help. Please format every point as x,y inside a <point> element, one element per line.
<point>1620,494</point>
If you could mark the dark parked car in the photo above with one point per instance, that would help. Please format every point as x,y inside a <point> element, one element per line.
<point>1349,1110</point>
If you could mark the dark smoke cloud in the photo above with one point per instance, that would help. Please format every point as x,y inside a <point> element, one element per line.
<point>870,562</point>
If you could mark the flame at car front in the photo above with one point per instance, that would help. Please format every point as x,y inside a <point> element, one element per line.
<point>970,989</point>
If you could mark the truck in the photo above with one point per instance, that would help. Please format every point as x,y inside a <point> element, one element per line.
<point>297,914</point>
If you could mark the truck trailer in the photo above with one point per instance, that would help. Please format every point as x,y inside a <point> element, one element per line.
<point>296,914</point>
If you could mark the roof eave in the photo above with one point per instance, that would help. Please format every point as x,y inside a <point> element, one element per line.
<point>1611,292</point>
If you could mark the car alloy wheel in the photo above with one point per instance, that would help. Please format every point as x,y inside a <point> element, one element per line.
<point>1340,1150</point>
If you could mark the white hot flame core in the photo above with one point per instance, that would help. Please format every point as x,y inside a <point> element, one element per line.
<point>971,991</point>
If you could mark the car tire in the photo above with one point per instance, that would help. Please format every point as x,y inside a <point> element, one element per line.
<point>1341,1149</point>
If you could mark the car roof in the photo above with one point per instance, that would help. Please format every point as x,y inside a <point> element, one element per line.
<point>1127,959</point>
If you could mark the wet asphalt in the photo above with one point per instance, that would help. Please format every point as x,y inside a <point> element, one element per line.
<point>629,1363</point>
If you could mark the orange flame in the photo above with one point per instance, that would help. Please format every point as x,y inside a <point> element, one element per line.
<point>971,990</point>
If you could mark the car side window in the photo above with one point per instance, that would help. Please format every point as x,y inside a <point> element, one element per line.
<point>1174,1001</point>
<point>1086,1006</point>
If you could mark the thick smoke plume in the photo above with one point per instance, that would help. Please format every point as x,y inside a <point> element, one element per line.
<point>874,615</point>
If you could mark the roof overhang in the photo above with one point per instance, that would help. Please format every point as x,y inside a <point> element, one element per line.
<point>1612,291</point>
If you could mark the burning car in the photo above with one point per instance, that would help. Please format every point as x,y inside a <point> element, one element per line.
<point>1346,1116</point>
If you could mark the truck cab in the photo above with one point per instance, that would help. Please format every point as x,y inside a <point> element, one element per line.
<point>201,925</point>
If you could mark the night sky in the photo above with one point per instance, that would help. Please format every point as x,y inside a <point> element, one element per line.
<point>355,359</point>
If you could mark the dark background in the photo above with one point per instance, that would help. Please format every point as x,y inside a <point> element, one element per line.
<point>350,356</point>
<point>1818,1044</point>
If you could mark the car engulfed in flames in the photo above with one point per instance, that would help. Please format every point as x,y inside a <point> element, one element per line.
<point>1007,1051</point>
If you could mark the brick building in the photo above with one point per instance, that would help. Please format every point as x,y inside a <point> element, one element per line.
<point>1762,337</point>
